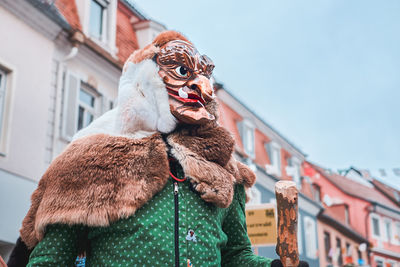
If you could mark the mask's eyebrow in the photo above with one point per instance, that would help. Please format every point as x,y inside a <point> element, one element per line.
<point>206,65</point>
<point>178,56</point>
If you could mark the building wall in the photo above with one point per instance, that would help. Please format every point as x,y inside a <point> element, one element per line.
<point>26,54</point>
<point>357,207</point>
<point>383,248</point>
<point>30,65</point>
<point>323,227</point>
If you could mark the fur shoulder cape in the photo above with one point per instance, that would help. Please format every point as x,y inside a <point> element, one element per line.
<point>100,178</point>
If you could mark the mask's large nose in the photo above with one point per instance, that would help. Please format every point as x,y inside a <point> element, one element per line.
<point>202,85</point>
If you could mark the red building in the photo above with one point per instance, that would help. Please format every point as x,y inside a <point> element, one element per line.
<point>357,219</point>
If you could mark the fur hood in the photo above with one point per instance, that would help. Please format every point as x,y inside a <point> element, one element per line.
<point>101,178</point>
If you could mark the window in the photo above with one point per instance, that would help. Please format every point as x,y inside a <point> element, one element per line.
<point>98,17</point>
<point>86,108</point>
<point>317,192</point>
<point>274,154</point>
<point>3,80</point>
<point>346,214</point>
<point>311,240</point>
<point>81,105</point>
<point>293,170</point>
<point>327,243</point>
<point>388,230</point>
<point>339,251</point>
<point>5,87</point>
<point>349,250</point>
<point>246,130</point>
<point>397,233</point>
<point>375,221</point>
<point>379,262</point>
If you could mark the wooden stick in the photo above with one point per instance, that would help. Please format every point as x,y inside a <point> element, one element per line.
<point>287,206</point>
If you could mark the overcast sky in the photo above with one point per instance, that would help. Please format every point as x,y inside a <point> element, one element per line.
<point>325,74</point>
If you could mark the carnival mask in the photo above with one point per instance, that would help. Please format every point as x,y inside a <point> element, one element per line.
<point>186,75</point>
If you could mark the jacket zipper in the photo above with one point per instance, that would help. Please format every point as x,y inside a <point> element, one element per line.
<point>176,200</point>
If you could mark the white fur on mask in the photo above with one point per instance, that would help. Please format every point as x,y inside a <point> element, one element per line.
<point>143,106</point>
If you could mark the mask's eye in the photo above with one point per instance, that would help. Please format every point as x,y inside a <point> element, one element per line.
<point>182,71</point>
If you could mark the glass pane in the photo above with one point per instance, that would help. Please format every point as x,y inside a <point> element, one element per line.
<point>88,119</point>
<point>96,19</point>
<point>375,224</point>
<point>80,117</point>
<point>86,98</point>
<point>388,230</point>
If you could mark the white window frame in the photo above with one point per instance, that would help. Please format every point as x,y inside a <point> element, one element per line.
<point>375,216</point>
<point>3,95</point>
<point>104,23</point>
<point>396,235</point>
<point>293,170</point>
<point>87,108</point>
<point>347,214</point>
<point>311,240</point>
<point>247,135</point>
<point>6,86</point>
<point>387,238</point>
<point>71,106</point>
<point>377,258</point>
<point>274,155</point>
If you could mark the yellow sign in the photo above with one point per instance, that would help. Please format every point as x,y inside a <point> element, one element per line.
<point>261,224</point>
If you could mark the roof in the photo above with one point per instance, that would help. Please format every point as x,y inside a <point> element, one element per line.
<point>70,12</point>
<point>344,229</point>
<point>389,191</point>
<point>51,11</point>
<point>126,36</point>
<point>126,40</point>
<point>357,190</point>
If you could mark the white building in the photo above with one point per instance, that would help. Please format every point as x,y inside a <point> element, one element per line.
<point>60,62</point>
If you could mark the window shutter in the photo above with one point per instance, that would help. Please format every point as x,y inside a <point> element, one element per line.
<point>70,101</point>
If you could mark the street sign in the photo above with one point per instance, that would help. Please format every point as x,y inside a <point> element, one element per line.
<point>261,224</point>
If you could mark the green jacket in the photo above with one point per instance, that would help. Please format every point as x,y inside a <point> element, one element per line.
<point>148,237</point>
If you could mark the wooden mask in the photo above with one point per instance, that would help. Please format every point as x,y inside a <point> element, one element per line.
<point>186,75</point>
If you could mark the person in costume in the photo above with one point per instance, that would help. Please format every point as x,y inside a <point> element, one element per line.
<point>152,182</point>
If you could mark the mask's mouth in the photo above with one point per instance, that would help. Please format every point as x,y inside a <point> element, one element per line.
<point>187,98</point>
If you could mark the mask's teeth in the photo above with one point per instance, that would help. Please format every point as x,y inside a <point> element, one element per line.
<point>182,93</point>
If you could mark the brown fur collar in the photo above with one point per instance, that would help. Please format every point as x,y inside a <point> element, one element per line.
<point>100,178</point>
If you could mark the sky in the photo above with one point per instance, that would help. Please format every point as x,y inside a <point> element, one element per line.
<point>325,74</point>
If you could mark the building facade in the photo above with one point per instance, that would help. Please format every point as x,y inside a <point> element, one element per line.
<point>273,158</point>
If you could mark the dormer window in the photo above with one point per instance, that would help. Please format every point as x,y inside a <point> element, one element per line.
<point>98,19</point>
<point>246,130</point>
<point>293,170</point>
<point>274,154</point>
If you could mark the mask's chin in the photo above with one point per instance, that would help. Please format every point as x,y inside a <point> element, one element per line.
<point>189,113</point>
